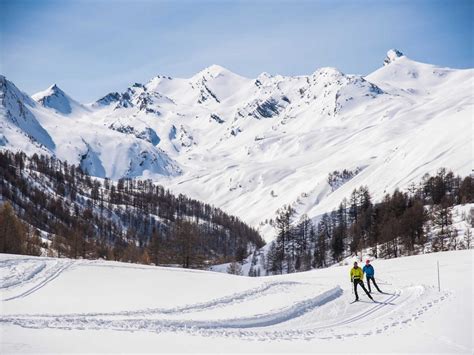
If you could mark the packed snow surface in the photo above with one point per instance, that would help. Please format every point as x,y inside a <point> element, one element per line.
<point>62,305</point>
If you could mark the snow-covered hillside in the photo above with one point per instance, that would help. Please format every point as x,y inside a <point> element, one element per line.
<point>62,305</point>
<point>462,215</point>
<point>250,146</point>
<point>57,125</point>
<point>53,97</point>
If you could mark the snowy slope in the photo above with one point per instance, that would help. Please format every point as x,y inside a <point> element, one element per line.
<point>57,305</point>
<point>42,127</point>
<point>19,128</point>
<point>461,223</point>
<point>253,145</point>
<point>392,132</point>
<point>249,146</point>
<point>55,98</point>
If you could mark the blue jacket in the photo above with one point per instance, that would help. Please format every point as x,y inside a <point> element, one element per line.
<point>369,270</point>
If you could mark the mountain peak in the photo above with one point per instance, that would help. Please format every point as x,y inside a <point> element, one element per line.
<point>108,99</point>
<point>214,71</point>
<point>7,88</point>
<point>51,90</point>
<point>392,55</point>
<point>54,90</point>
<point>54,97</point>
<point>215,68</point>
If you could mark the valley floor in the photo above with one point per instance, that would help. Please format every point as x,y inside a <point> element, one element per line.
<point>63,305</point>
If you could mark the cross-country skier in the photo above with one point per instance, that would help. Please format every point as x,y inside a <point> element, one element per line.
<point>369,273</point>
<point>357,276</point>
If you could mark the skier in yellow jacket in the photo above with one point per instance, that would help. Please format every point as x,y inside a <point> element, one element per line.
<point>357,276</point>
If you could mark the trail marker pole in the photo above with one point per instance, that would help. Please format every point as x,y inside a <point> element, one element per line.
<point>439,285</point>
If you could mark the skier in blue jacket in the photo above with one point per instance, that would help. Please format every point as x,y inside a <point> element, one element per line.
<point>369,273</point>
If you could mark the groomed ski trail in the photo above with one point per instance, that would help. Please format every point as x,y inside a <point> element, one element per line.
<point>324,315</point>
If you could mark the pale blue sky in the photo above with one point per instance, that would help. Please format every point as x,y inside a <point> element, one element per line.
<point>92,47</point>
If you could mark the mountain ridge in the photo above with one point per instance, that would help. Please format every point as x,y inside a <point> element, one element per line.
<point>251,146</point>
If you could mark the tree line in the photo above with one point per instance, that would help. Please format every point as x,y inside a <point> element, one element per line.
<point>61,209</point>
<point>416,221</point>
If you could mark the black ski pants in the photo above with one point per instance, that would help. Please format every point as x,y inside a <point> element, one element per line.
<point>361,283</point>
<point>371,278</point>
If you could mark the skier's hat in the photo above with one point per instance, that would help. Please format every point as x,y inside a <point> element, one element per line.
<point>367,261</point>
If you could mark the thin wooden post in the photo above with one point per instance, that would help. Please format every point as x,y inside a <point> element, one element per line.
<point>439,285</point>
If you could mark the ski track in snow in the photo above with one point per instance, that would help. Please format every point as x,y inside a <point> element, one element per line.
<point>14,277</point>
<point>300,319</point>
<point>32,274</point>
<point>240,297</point>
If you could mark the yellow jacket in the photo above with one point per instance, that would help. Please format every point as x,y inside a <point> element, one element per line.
<point>357,274</point>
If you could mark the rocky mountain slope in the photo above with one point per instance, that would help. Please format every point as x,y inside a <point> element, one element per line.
<point>250,146</point>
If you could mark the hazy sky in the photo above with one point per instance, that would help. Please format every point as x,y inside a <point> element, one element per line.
<point>92,47</point>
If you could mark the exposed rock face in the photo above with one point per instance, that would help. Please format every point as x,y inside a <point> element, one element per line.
<point>392,55</point>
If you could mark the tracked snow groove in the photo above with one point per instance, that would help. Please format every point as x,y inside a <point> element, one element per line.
<point>39,275</point>
<point>258,327</point>
<point>247,295</point>
<point>261,320</point>
<point>15,277</point>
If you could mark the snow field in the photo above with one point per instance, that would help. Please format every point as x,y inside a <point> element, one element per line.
<point>49,295</point>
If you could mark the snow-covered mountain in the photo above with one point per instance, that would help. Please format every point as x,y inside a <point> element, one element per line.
<point>250,146</point>
<point>53,97</point>
<point>17,119</point>
<point>41,127</point>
